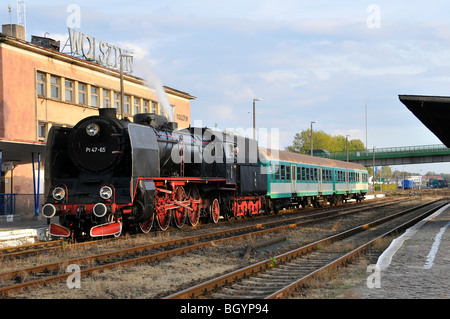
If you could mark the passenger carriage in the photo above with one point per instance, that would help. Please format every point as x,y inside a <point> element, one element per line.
<point>296,179</point>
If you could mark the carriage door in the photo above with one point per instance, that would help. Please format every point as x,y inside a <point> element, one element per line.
<point>294,179</point>
<point>319,172</point>
<point>346,180</point>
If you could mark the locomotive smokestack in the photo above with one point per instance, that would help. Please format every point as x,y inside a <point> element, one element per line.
<point>107,112</point>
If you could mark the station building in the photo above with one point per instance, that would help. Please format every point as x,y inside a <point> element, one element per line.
<point>41,87</point>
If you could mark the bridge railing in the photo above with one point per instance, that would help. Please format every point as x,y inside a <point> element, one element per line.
<point>422,150</point>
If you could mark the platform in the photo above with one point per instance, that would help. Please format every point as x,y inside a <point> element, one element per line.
<point>21,230</point>
<point>416,264</point>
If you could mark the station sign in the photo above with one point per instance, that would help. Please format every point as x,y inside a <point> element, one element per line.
<point>98,51</point>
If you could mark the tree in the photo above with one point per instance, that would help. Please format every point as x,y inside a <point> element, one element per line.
<point>322,141</point>
<point>386,172</point>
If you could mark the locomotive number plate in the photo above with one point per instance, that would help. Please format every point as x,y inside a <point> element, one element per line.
<point>95,149</point>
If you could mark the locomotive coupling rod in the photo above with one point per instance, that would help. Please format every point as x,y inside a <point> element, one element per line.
<point>164,191</point>
<point>183,205</point>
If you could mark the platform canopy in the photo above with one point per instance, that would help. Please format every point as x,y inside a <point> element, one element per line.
<point>433,112</point>
<point>20,152</point>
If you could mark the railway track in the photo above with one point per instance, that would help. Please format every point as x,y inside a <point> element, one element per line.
<point>282,275</point>
<point>61,244</point>
<point>154,252</point>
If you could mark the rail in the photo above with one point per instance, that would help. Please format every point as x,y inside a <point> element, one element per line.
<point>278,281</point>
<point>8,203</point>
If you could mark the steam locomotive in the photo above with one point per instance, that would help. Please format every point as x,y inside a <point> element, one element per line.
<point>105,175</point>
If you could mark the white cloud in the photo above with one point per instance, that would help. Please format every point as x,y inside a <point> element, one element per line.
<point>285,78</point>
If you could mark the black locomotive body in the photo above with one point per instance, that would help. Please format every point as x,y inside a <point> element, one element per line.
<point>105,174</point>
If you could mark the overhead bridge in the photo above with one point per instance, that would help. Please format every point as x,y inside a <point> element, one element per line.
<point>395,155</point>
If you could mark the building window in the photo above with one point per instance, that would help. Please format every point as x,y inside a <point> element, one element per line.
<point>94,96</point>
<point>106,98</point>
<point>173,111</point>
<point>42,131</point>
<point>69,85</point>
<point>126,104</point>
<point>137,105</point>
<point>145,105</point>
<point>82,93</point>
<point>117,101</point>
<point>41,84</point>
<point>153,107</point>
<point>55,87</point>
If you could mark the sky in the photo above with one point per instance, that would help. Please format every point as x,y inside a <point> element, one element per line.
<point>308,61</point>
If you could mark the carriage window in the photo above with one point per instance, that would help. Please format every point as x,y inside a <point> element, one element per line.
<point>303,173</point>
<point>288,173</point>
<point>299,173</point>
<point>277,172</point>
<point>283,172</point>
<point>315,174</point>
<point>307,174</point>
<point>364,178</point>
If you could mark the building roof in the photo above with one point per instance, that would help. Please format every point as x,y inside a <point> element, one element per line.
<point>19,151</point>
<point>433,112</point>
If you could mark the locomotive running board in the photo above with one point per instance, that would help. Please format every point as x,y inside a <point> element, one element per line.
<point>106,230</point>
<point>58,230</point>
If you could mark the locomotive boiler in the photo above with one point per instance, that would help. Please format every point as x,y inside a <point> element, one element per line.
<point>107,174</point>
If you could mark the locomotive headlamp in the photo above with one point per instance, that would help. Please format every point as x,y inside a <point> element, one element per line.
<point>59,193</point>
<point>106,192</point>
<point>92,129</point>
